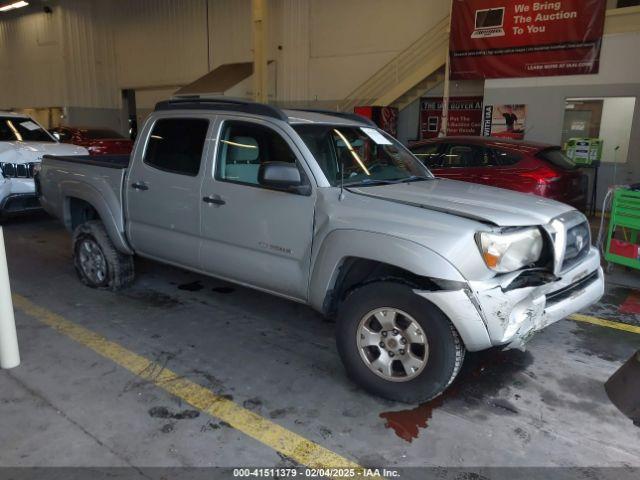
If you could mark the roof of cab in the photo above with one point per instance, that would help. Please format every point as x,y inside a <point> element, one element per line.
<point>13,114</point>
<point>297,117</point>
<point>291,116</point>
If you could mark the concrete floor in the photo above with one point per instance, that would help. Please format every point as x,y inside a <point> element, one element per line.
<point>68,406</point>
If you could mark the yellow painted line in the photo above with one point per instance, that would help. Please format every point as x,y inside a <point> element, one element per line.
<point>578,317</point>
<point>288,443</point>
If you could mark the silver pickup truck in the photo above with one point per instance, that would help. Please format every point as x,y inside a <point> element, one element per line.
<point>325,209</point>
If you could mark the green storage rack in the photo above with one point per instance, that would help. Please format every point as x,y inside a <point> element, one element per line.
<point>625,223</point>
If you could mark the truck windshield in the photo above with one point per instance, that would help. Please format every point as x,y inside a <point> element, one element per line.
<point>367,155</point>
<point>22,129</point>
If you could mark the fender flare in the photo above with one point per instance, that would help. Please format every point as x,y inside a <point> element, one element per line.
<point>95,198</point>
<point>342,244</point>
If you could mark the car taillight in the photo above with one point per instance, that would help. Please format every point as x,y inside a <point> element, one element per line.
<point>542,175</point>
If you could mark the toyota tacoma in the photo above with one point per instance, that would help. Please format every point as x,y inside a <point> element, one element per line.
<point>325,209</point>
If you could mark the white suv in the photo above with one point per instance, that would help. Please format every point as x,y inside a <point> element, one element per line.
<point>22,143</point>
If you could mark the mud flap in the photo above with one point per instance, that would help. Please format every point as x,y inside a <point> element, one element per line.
<point>623,388</point>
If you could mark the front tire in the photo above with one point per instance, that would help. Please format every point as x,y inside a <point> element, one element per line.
<point>396,344</point>
<point>97,261</point>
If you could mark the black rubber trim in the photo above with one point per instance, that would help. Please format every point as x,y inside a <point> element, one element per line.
<point>349,116</point>
<point>109,161</point>
<point>217,104</point>
<point>566,292</point>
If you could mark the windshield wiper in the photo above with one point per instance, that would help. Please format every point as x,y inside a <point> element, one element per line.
<point>368,182</point>
<point>413,178</point>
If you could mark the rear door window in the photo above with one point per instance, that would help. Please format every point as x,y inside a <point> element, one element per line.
<point>465,156</point>
<point>504,158</point>
<point>175,145</point>
<point>428,154</point>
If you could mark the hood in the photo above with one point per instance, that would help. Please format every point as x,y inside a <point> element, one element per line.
<point>478,202</point>
<point>23,152</point>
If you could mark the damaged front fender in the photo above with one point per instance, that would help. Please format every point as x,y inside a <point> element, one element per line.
<point>509,309</point>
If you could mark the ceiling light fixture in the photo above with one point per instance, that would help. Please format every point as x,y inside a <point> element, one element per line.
<point>13,6</point>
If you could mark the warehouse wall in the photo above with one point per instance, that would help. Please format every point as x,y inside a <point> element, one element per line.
<point>545,99</point>
<point>159,42</point>
<point>349,41</point>
<point>85,52</point>
<point>31,68</point>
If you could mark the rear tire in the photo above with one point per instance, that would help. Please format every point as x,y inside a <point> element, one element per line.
<point>97,261</point>
<point>412,359</point>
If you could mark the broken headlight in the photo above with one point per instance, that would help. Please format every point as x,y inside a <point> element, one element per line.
<point>510,251</point>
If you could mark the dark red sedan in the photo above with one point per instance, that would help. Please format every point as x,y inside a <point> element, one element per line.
<point>99,141</point>
<point>527,167</point>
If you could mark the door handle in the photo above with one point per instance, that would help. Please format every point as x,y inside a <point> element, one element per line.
<point>214,200</point>
<point>139,186</point>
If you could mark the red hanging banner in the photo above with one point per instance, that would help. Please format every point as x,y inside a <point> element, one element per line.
<point>525,38</point>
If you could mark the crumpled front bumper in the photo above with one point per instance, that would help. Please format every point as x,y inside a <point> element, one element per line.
<point>494,313</point>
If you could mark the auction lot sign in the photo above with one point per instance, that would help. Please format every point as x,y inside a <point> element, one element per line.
<point>525,38</point>
<point>465,116</point>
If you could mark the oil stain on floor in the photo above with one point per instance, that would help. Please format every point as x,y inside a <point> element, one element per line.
<point>481,378</point>
<point>192,286</point>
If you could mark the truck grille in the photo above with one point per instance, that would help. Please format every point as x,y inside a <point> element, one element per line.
<point>578,245</point>
<point>571,239</point>
<point>560,295</point>
<point>17,170</point>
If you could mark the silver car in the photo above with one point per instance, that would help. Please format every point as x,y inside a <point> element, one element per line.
<point>327,210</point>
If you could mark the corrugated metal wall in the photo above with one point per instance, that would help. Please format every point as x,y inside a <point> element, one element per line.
<point>88,54</point>
<point>230,31</point>
<point>87,51</point>
<point>293,65</point>
<point>30,61</point>
<point>159,42</point>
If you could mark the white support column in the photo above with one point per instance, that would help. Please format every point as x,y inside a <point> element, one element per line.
<point>9,354</point>
<point>444,125</point>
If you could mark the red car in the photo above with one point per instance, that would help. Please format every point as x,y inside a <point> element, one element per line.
<point>526,167</point>
<point>99,141</point>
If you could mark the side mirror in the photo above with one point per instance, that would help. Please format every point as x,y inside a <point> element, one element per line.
<point>282,176</point>
<point>57,136</point>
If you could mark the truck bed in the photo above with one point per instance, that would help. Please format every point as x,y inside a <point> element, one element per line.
<point>109,161</point>
<point>97,180</point>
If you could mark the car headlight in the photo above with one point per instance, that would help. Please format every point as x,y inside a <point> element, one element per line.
<point>510,251</point>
